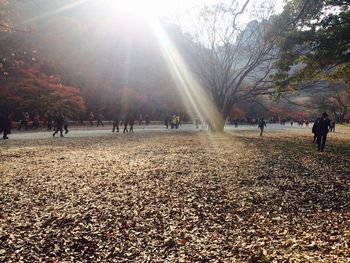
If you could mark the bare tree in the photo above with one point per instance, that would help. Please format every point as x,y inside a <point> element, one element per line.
<point>335,98</point>
<point>232,59</point>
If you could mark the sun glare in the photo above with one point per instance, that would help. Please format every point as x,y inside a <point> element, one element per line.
<point>150,9</point>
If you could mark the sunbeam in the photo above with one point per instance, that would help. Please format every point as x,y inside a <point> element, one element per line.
<point>192,93</point>
<point>56,11</point>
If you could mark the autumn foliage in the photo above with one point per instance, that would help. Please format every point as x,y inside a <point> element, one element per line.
<point>29,88</point>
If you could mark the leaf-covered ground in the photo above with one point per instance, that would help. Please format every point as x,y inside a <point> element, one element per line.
<point>175,197</point>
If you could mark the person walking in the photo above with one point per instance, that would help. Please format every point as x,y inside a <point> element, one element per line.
<point>147,119</point>
<point>166,121</point>
<point>315,129</point>
<point>126,122</point>
<point>5,124</point>
<point>59,124</point>
<point>177,122</point>
<point>99,119</point>
<point>49,120</point>
<point>66,123</point>
<point>91,118</point>
<point>24,121</point>
<point>332,124</point>
<point>322,131</point>
<point>140,119</point>
<point>36,121</point>
<point>261,125</point>
<point>116,123</point>
<point>131,123</point>
<point>173,121</point>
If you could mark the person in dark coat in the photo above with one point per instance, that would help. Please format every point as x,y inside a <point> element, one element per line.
<point>5,124</point>
<point>322,131</point>
<point>24,121</point>
<point>66,123</point>
<point>99,119</point>
<point>49,121</point>
<point>261,125</point>
<point>332,125</point>
<point>59,124</point>
<point>126,122</point>
<point>315,129</point>
<point>167,121</point>
<point>116,123</point>
<point>131,123</point>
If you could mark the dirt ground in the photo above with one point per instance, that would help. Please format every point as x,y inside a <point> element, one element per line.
<point>177,196</point>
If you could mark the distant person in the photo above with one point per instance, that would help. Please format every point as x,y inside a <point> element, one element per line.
<point>99,120</point>
<point>167,121</point>
<point>81,118</point>
<point>235,122</point>
<point>322,131</point>
<point>125,123</point>
<point>196,122</point>
<point>91,118</point>
<point>315,129</point>
<point>173,122</point>
<point>291,123</point>
<point>147,119</point>
<point>24,121</point>
<point>131,123</point>
<point>59,121</point>
<point>140,119</point>
<point>36,121</point>
<point>177,122</point>
<point>5,124</point>
<point>49,121</point>
<point>45,119</point>
<point>116,123</point>
<point>332,125</point>
<point>261,125</point>
<point>66,123</point>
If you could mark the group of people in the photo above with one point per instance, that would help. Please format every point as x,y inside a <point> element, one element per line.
<point>320,129</point>
<point>128,120</point>
<point>57,122</point>
<point>99,119</point>
<point>61,122</point>
<point>173,121</point>
<point>38,121</point>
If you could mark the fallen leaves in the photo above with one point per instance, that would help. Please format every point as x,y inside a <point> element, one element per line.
<point>172,197</point>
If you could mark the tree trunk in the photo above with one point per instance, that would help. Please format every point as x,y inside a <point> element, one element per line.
<point>217,125</point>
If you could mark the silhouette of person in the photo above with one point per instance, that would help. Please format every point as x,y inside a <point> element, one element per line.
<point>59,124</point>
<point>5,124</point>
<point>24,121</point>
<point>116,123</point>
<point>315,129</point>
<point>261,125</point>
<point>99,119</point>
<point>91,118</point>
<point>66,123</point>
<point>126,122</point>
<point>322,131</point>
<point>131,123</point>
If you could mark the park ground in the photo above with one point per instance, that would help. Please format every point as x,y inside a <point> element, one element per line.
<point>175,196</point>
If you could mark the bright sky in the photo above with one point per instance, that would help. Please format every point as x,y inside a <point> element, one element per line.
<point>164,8</point>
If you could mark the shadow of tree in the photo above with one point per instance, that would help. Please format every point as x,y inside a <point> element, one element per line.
<point>294,177</point>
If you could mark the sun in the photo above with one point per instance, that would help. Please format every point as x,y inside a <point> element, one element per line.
<point>146,9</point>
